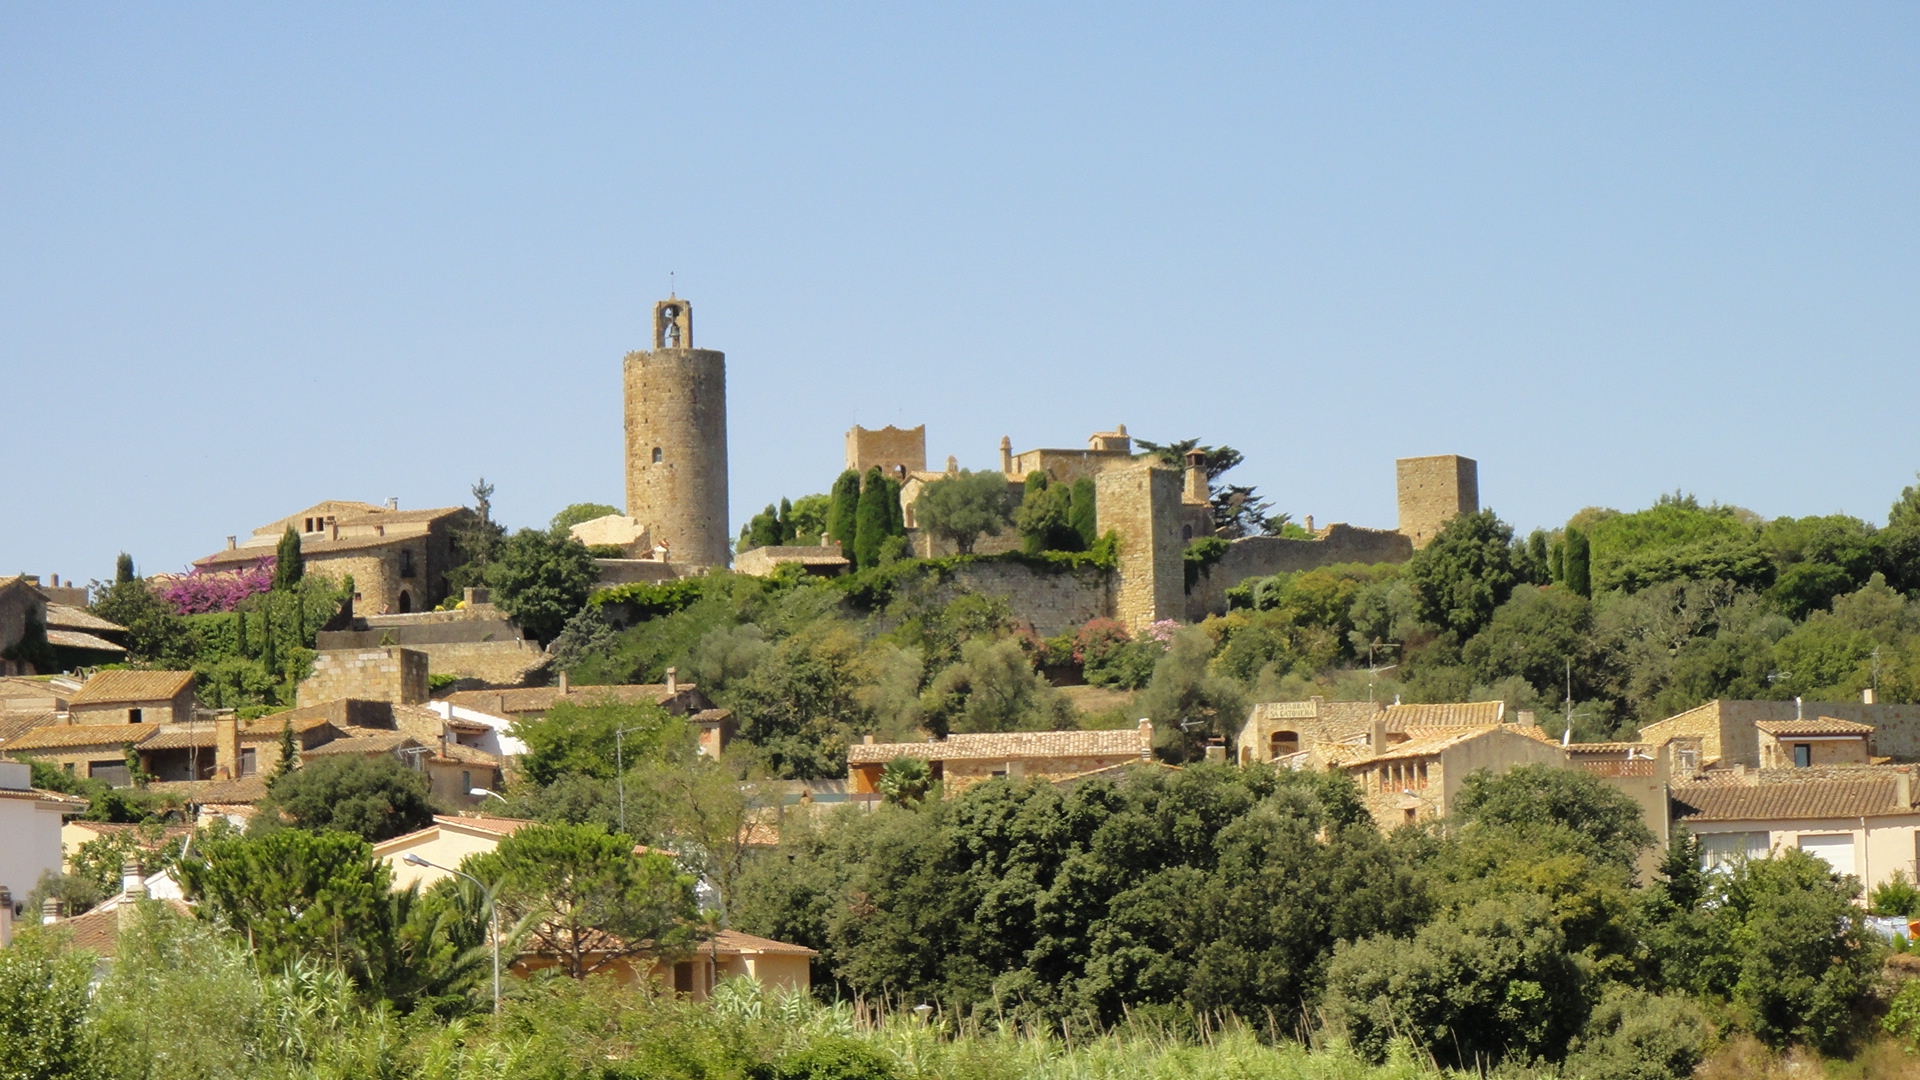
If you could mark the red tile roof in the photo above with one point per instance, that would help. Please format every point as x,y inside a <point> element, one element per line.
<point>1716,800</point>
<point>113,687</point>
<point>1010,745</point>
<point>1818,725</point>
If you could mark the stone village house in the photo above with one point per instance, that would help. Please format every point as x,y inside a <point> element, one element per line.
<point>398,558</point>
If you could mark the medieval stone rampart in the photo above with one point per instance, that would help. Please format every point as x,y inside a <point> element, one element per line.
<point>890,448</point>
<point>1141,505</point>
<point>390,674</point>
<point>1433,491</point>
<point>1263,556</point>
<point>1054,601</point>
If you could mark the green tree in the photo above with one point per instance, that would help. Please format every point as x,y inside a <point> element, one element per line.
<point>289,750</point>
<point>586,899</point>
<point>155,635</point>
<point>123,569</point>
<point>476,541</point>
<point>1577,567</point>
<point>1531,794</point>
<point>896,509</point>
<point>1082,512</point>
<point>1044,517</point>
<point>1533,636</point>
<point>1187,702</point>
<point>289,565</point>
<point>763,530</point>
<point>1488,984</point>
<point>1906,509</point>
<point>802,705</point>
<point>873,522</point>
<point>1464,573</point>
<point>576,739</point>
<point>809,518</point>
<point>962,508</point>
<point>541,580</point>
<point>293,894</point>
<point>375,798</point>
<point>44,991</point>
<point>992,688</point>
<point>785,521</point>
<point>843,511</point>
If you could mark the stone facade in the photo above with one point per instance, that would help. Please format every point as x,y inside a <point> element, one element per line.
<point>1418,780</point>
<point>895,451</point>
<point>1142,506</point>
<point>1055,602</point>
<point>476,642</point>
<point>398,559</point>
<point>388,674</point>
<point>1723,732</point>
<point>1434,491</point>
<point>676,440</point>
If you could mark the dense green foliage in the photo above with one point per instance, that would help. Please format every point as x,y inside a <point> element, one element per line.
<point>371,797</point>
<point>961,508</point>
<point>542,580</point>
<point>289,565</point>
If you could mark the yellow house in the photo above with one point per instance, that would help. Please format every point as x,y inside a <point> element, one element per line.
<point>445,842</point>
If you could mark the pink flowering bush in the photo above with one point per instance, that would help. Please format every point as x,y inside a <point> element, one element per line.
<point>200,591</point>
<point>1161,632</point>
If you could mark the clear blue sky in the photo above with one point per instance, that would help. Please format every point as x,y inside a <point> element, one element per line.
<point>255,256</point>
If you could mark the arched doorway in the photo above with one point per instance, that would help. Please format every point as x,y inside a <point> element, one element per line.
<point>406,602</point>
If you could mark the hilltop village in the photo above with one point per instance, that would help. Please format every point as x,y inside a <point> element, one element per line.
<point>917,686</point>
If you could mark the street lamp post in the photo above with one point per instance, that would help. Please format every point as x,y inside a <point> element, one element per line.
<point>480,791</point>
<point>620,767</point>
<point>493,917</point>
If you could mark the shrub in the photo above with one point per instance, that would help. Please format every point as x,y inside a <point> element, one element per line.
<point>1633,1035</point>
<point>1895,896</point>
<point>831,1058</point>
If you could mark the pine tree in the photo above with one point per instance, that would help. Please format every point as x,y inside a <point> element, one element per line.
<point>785,521</point>
<point>290,566</point>
<point>1578,562</point>
<point>843,510</point>
<point>289,754</point>
<point>123,569</point>
<point>1082,514</point>
<point>873,522</point>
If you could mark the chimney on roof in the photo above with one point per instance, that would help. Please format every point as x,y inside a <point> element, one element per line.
<point>1902,788</point>
<point>132,881</point>
<point>1196,476</point>
<point>1377,737</point>
<point>867,740</point>
<point>1146,739</point>
<point>1799,710</point>
<point>1006,455</point>
<point>49,911</point>
<point>564,684</point>
<point>232,542</point>
<point>393,502</point>
<point>1866,696</point>
<point>673,680</point>
<point>1216,752</point>
<point>226,745</point>
<point>56,581</point>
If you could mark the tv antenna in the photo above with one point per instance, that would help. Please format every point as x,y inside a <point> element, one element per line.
<point>1566,733</point>
<point>1375,669</point>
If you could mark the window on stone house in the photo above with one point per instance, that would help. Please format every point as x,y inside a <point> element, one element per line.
<point>1282,743</point>
<point>1802,755</point>
<point>406,603</point>
<point>466,781</point>
<point>1423,774</point>
<point>656,455</point>
<point>135,716</point>
<point>249,762</point>
<point>406,562</point>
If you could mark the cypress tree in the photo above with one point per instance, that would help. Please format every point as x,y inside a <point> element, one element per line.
<point>1034,523</point>
<point>785,521</point>
<point>842,511</point>
<point>123,569</point>
<point>1557,561</point>
<point>872,522</point>
<point>241,648</point>
<point>1081,513</point>
<point>1579,562</point>
<point>289,754</point>
<point>269,656</point>
<point>290,566</point>
<point>896,510</point>
<point>764,530</point>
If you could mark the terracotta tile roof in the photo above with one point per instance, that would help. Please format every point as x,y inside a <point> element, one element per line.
<point>66,617</point>
<point>310,548</point>
<point>384,743</point>
<point>15,724</point>
<point>1715,800</point>
<point>465,755</point>
<point>98,932</point>
<point>1421,747</point>
<point>1608,747</point>
<point>65,735</point>
<point>118,685</point>
<point>181,739</point>
<point>1462,714</point>
<point>1011,745</point>
<point>1818,725</point>
<point>75,639</point>
<point>735,941</point>
<point>115,828</point>
<point>505,703</point>
<point>271,725</point>
<point>243,790</point>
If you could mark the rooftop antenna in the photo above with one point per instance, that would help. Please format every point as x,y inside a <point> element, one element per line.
<point>1373,670</point>
<point>1566,734</point>
<point>671,286</point>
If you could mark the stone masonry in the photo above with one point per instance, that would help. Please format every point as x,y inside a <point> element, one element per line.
<point>1142,505</point>
<point>895,450</point>
<point>390,674</point>
<point>1434,491</point>
<point>676,440</point>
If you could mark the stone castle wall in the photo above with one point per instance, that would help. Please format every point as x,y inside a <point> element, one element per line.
<point>390,674</point>
<point>1433,491</point>
<point>890,448</point>
<point>1054,601</point>
<point>676,406</point>
<point>1263,556</point>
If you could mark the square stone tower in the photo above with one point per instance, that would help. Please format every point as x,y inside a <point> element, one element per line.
<point>1433,491</point>
<point>1142,506</point>
<point>894,450</point>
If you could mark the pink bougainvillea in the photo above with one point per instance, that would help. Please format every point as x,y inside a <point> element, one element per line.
<point>199,591</point>
<point>1097,638</point>
<point>1161,632</point>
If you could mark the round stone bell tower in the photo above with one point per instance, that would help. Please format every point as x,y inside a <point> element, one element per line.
<point>676,398</point>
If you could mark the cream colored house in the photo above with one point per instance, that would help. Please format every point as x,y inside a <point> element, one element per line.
<point>1417,780</point>
<point>29,831</point>
<point>1862,820</point>
<point>445,842</point>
